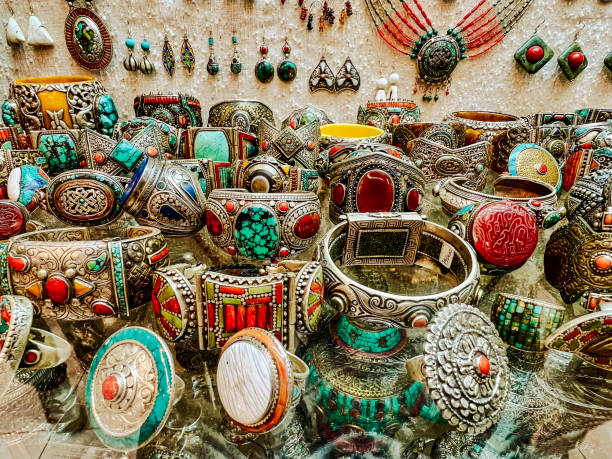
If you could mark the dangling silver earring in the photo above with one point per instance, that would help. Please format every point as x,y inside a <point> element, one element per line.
<point>130,63</point>
<point>146,66</point>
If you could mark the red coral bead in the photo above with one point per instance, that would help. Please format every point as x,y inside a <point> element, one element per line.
<point>57,289</point>
<point>214,225</point>
<point>110,388</point>
<point>534,54</point>
<point>375,192</point>
<point>575,60</point>
<point>307,226</point>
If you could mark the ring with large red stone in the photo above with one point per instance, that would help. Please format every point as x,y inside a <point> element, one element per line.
<point>504,233</point>
<point>13,218</point>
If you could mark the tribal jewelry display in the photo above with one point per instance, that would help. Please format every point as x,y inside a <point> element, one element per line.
<point>87,39</point>
<point>178,110</point>
<point>411,33</point>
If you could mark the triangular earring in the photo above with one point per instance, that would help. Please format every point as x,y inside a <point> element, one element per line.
<point>14,34</point>
<point>322,77</point>
<point>37,33</point>
<point>347,77</point>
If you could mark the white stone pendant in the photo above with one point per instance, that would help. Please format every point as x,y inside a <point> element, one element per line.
<point>14,35</point>
<point>37,33</point>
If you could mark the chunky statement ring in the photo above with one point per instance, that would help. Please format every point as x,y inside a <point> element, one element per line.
<point>333,134</point>
<point>465,368</point>
<point>591,199</point>
<point>578,260</point>
<point>178,110</point>
<point>375,181</point>
<point>388,114</point>
<point>24,346</point>
<point>525,323</point>
<point>351,254</point>
<point>503,233</point>
<point>298,146</point>
<point>284,298</point>
<point>451,135</point>
<point>13,218</point>
<point>82,273</point>
<point>439,162</point>
<point>538,197</point>
<point>533,161</point>
<point>302,116</point>
<point>259,382</point>
<point>80,197</point>
<point>167,196</point>
<point>131,388</point>
<point>266,174</point>
<point>167,135</point>
<point>262,226</point>
<point>244,115</point>
<point>12,159</point>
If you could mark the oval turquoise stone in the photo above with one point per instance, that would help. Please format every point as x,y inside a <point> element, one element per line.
<point>256,233</point>
<point>264,71</point>
<point>286,70</point>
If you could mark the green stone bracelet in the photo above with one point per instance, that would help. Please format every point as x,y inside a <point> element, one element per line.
<point>524,323</point>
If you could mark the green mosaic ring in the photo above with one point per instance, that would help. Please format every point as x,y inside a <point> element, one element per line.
<point>131,388</point>
<point>525,323</point>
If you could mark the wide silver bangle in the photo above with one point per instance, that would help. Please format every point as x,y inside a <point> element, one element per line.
<point>396,239</point>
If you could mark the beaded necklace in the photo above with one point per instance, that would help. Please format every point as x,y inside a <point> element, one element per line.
<point>411,33</point>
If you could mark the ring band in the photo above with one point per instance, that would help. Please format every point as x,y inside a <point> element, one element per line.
<point>266,174</point>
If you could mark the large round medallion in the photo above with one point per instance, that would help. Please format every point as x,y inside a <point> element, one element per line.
<point>438,58</point>
<point>87,39</point>
<point>504,233</point>
<point>533,161</point>
<point>466,368</point>
<point>130,388</point>
<point>375,192</point>
<point>256,232</point>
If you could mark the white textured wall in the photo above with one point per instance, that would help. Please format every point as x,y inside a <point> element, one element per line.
<point>493,81</point>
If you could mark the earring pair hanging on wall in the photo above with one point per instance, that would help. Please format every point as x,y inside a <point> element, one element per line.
<point>322,77</point>
<point>264,70</point>
<point>38,36</point>
<point>187,57</point>
<point>131,64</point>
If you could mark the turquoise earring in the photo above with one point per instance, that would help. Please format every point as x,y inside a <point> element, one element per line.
<point>130,63</point>
<point>146,66</point>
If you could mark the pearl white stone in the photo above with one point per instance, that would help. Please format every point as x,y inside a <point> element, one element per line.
<point>14,35</point>
<point>244,382</point>
<point>37,33</point>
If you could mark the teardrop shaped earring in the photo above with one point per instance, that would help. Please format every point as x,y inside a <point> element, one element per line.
<point>213,66</point>
<point>14,34</point>
<point>286,69</point>
<point>146,66</point>
<point>37,33</point>
<point>130,63</point>
<point>264,70</point>
<point>168,57</point>
<point>236,65</point>
<point>187,57</point>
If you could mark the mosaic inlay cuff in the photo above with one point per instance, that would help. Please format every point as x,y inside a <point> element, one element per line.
<point>388,114</point>
<point>439,162</point>
<point>525,323</point>
<point>536,196</point>
<point>244,115</point>
<point>168,135</point>
<point>265,174</point>
<point>261,226</point>
<point>396,239</point>
<point>284,299</point>
<point>82,273</point>
<point>375,182</point>
<point>503,233</point>
<point>578,260</point>
<point>165,195</point>
<point>178,110</point>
